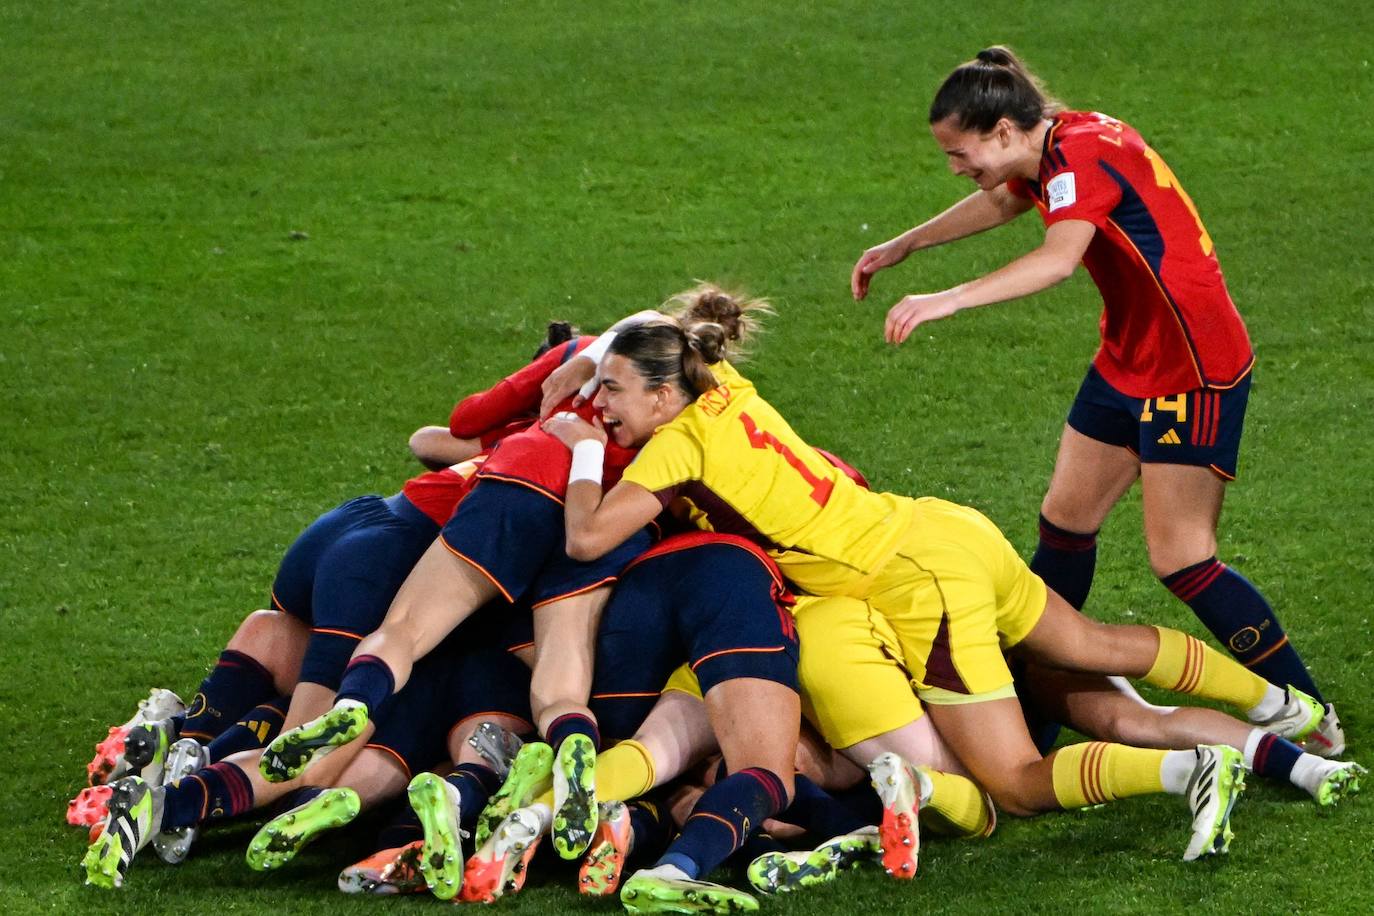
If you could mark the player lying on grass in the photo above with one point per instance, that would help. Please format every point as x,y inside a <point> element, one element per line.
<point>953,590</point>
<point>1165,398</point>
<point>857,692</point>
<point>472,678</point>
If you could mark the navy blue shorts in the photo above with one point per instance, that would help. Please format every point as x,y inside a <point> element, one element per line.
<point>1200,427</point>
<point>473,672</point>
<point>341,573</point>
<point>710,605</point>
<point>514,536</point>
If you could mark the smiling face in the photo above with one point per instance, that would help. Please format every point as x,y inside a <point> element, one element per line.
<point>988,160</point>
<point>630,409</point>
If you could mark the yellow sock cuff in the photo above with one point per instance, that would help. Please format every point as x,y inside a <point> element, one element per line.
<point>1098,772</point>
<point>623,772</point>
<point>957,807</point>
<point>1178,663</point>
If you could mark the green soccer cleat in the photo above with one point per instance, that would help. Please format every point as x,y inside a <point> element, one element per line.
<point>1300,716</point>
<point>436,804</point>
<point>574,796</point>
<point>1340,780</point>
<point>529,776</point>
<point>1216,784</point>
<point>287,834</point>
<point>292,751</point>
<point>135,813</point>
<point>783,872</point>
<point>651,891</point>
<point>604,864</point>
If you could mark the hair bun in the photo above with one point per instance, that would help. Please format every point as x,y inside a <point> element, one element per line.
<point>708,339</point>
<point>996,55</point>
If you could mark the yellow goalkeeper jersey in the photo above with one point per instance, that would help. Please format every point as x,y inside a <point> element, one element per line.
<point>730,463</point>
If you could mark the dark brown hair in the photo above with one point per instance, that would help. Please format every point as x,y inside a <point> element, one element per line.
<point>700,327</point>
<point>992,86</point>
<point>559,332</point>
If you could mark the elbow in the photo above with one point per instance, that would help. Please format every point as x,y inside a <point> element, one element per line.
<point>1061,268</point>
<point>583,549</point>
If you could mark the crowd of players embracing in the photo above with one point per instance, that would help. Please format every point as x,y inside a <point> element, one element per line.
<point>632,610</point>
<point>440,651</point>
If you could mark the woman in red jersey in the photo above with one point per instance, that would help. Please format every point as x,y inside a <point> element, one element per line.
<point>1164,400</point>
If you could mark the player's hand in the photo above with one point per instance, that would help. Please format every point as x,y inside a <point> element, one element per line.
<point>873,260</point>
<point>566,380</point>
<point>913,311</point>
<point>571,429</point>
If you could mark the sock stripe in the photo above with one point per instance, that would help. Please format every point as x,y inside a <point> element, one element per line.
<point>771,784</point>
<point>1062,539</point>
<point>734,843</point>
<point>1268,652</point>
<point>1186,583</point>
<point>1262,752</point>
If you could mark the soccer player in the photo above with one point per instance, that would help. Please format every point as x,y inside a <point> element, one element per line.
<point>953,589</point>
<point>1164,400</point>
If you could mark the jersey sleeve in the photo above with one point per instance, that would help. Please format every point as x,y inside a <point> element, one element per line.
<point>670,459</point>
<point>515,396</point>
<point>1079,187</point>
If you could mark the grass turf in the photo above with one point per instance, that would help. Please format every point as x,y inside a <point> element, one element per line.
<point>246,249</point>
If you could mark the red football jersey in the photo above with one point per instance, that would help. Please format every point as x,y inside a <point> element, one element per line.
<point>1168,325</point>
<point>438,493</point>
<point>536,459</point>
<point>515,398</point>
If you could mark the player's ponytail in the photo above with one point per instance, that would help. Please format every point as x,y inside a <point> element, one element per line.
<point>992,86</point>
<point>701,326</point>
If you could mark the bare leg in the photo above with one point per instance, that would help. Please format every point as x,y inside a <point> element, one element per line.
<point>677,734</point>
<point>565,645</point>
<point>756,722</point>
<point>441,592</point>
<point>1089,478</point>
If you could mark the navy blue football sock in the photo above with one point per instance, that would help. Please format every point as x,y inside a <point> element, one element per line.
<point>759,844</point>
<point>299,797</point>
<point>819,813</point>
<point>1242,621</point>
<point>235,685</point>
<point>368,680</point>
<point>650,826</point>
<point>1066,561</point>
<point>573,723</point>
<point>404,828</point>
<point>259,726</point>
<point>724,817</point>
<point>863,802</point>
<point>219,791</point>
<point>1275,757</point>
<point>475,783</point>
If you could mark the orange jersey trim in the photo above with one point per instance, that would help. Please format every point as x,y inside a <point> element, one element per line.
<point>477,566</point>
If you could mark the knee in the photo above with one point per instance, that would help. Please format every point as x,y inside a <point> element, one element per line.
<point>1169,554</point>
<point>1069,512</point>
<point>262,633</point>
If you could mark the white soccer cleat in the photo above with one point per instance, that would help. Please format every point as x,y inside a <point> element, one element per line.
<point>902,788</point>
<point>1300,716</point>
<point>183,758</point>
<point>1328,739</point>
<point>1215,785</point>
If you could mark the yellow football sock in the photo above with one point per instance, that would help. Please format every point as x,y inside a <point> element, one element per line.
<point>1097,772</point>
<point>623,772</point>
<point>1187,665</point>
<point>957,807</point>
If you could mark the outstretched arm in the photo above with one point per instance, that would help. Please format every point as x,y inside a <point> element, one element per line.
<point>1054,261</point>
<point>979,211</point>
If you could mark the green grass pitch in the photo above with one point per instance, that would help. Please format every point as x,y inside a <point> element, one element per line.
<point>246,248</point>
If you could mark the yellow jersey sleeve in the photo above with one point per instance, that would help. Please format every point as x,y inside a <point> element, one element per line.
<point>667,461</point>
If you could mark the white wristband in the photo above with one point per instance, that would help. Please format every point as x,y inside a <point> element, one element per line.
<point>587,458</point>
<point>597,348</point>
